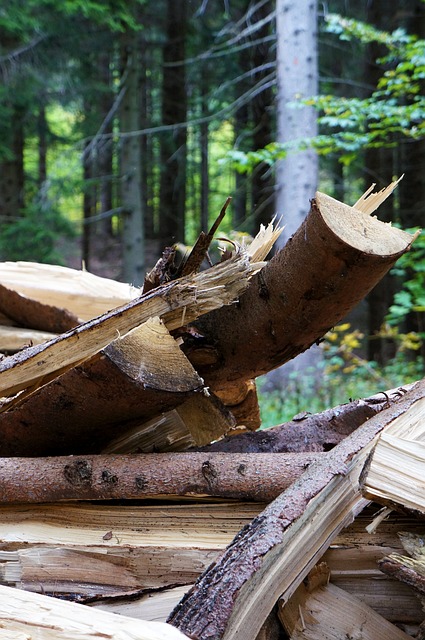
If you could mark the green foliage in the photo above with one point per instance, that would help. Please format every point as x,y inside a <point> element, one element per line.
<point>344,375</point>
<point>35,235</point>
<point>411,268</point>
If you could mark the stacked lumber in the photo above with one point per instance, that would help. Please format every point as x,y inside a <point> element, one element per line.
<point>134,481</point>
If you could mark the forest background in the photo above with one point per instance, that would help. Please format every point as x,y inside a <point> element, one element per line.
<point>124,126</point>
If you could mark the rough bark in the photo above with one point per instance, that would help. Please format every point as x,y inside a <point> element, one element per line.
<point>259,478</point>
<point>306,432</point>
<point>32,314</point>
<point>335,258</point>
<point>274,553</point>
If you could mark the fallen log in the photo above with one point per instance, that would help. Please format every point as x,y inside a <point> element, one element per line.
<point>271,556</point>
<point>335,258</point>
<point>26,615</point>
<point>250,476</point>
<point>410,569</point>
<point>309,432</point>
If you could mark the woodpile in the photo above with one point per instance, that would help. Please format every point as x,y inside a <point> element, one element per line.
<point>134,479</point>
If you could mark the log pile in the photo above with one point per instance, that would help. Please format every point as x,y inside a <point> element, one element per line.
<point>134,481</point>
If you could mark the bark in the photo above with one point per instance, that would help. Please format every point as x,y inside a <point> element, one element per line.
<point>33,314</point>
<point>259,478</point>
<point>272,555</point>
<point>308,287</point>
<point>404,569</point>
<point>306,432</point>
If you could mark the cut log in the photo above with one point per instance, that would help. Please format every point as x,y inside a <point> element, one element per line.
<point>272,555</point>
<point>321,611</point>
<point>176,303</point>
<point>81,292</point>
<point>46,618</point>
<point>335,258</point>
<point>309,432</point>
<point>395,472</point>
<point>240,476</point>
<point>85,408</point>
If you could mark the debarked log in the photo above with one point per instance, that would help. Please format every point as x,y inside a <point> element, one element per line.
<point>104,477</point>
<point>334,259</point>
<point>270,557</point>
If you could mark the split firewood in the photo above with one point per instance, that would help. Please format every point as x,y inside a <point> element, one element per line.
<point>310,432</point>
<point>240,476</point>
<point>320,611</point>
<point>408,569</point>
<point>29,615</point>
<point>270,557</point>
<point>395,472</point>
<point>80,292</point>
<point>72,550</point>
<point>335,258</point>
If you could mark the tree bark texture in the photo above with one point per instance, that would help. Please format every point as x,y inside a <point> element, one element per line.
<point>307,432</point>
<point>272,555</point>
<point>259,478</point>
<point>324,270</point>
<point>297,78</point>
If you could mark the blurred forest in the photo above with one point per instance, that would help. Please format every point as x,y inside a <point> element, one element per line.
<point>125,124</point>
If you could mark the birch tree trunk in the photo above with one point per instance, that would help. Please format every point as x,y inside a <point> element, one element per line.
<point>297,77</point>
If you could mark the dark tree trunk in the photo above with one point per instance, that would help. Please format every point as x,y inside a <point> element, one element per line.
<point>105,147</point>
<point>12,169</point>
<point>263,200</point>
<point>173,143</point>
<point>42,129</point>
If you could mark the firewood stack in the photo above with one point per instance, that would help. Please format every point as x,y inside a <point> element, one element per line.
<point>133,477</point>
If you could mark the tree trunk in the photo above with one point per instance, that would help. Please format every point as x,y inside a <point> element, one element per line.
<point>12,168</point>
<point>297,76</point>
<point>174,111</point>
<point>133,215</point>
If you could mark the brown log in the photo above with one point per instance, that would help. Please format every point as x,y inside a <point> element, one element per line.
<point>33,314</point>
<point>241,476</point>
<point>403,568</point>
<point>308,432</point>
<point>335,258</point>
<point>272,555</point>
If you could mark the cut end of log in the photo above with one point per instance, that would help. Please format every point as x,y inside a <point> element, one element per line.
<point>361,231</point>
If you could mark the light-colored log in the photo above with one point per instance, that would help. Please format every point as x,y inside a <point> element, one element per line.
<point>83,293</point>
<point>15,338</point>
<point>39,617</point>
